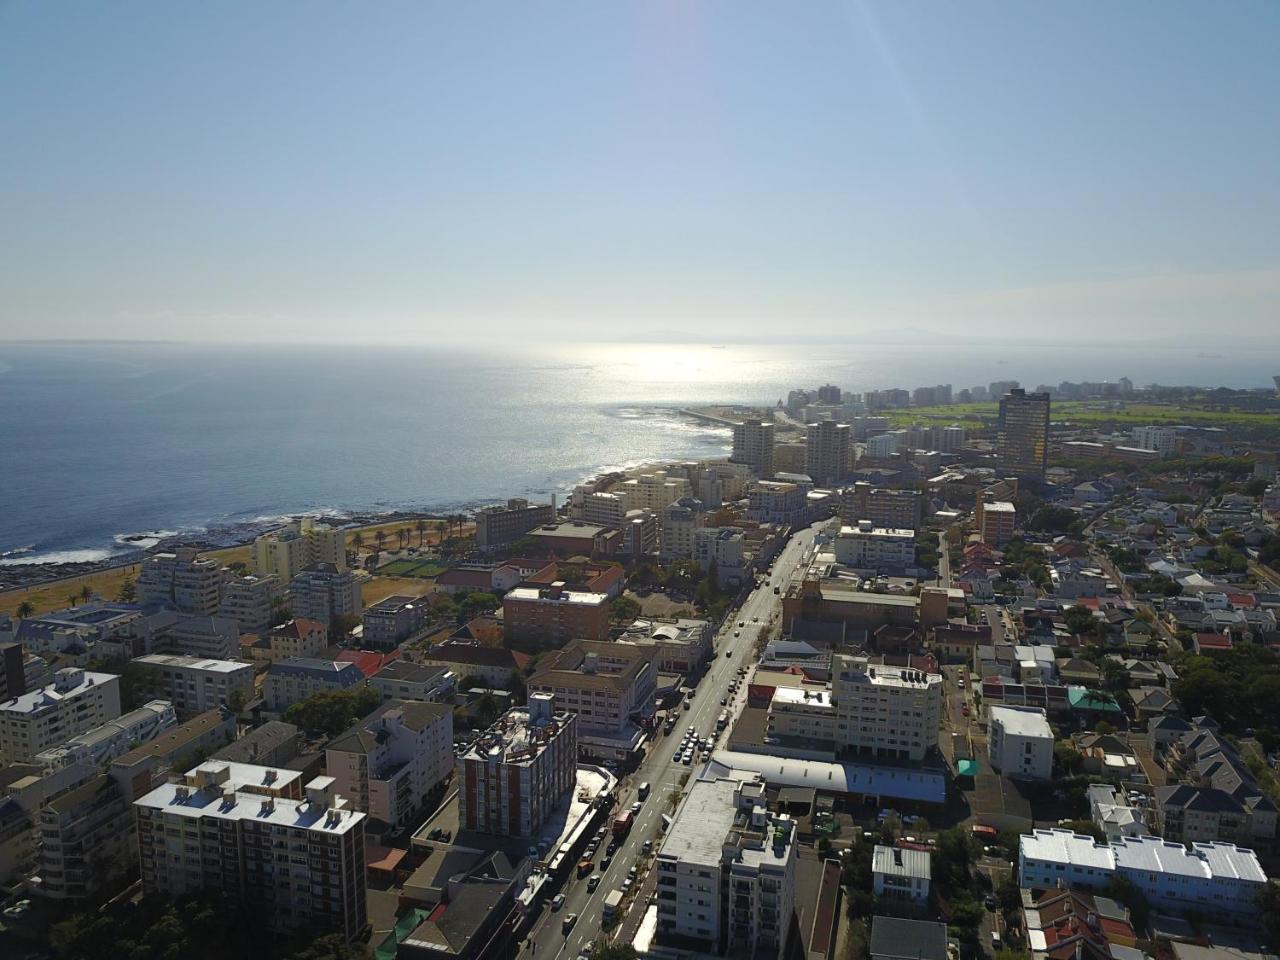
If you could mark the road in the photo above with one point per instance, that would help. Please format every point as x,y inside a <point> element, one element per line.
<point>664,773</point>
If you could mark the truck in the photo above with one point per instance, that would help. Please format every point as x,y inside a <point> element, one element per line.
<point>585,866</point>
<point>612,905</point>
<point>623,822</point>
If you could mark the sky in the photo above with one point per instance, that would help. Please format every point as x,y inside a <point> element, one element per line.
<point>494,172</point>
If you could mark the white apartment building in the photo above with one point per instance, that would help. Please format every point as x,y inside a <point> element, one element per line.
<point>680,520</point>
<point>99,746</point>
<point>323,592</point>
<point>653,491</point>
<point>877,548</point>
<point>806,717</point>
<point>1210,879</point>
<point>882,446</point>
<point>726,548</point>
<point>606,509</point>
<point>181,580</point>
<point>294,547</point>
<point>389,762</point>
<point>249,601</point>
<point>76,702</point>
<point>1020,742</point>
<point>899,874</point>
<point>884,711</point>
<point>406,680</point>
<point>299,862</point>
<point>515,775</point>
<point>726,872</point>
<point>217,638</point>
<point>195,684</point>
<point>753,445</point>
<point>771,501</point>
<point>827,451</point>
<point>1163,440</point>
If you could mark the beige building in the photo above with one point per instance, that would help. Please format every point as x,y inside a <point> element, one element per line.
<point>607,685</point>
<point>753,444</point>
<point>883,506</point>
<point>827,446</point>
<point>890,712</point>
<point>250,601</point>
<point>183,581</point>
<point>195,684</point>
<point>324,592</point>
<point>653,491</point>
<point>680,521</point>
<point>294,547</point>
<point>996,520</point>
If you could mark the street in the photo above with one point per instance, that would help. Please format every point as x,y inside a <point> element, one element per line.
<point>665,775</point>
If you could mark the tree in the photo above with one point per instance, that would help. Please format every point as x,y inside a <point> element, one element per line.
<point>1080,620</point>
<point>966,916</point>
<point>1067,759</point>
<point>25,609</point>
<point>613,951</point>
<point>86,593</point>
<point>624,610</point>
<point>357,540</point>
<point>330,712</point>
<point>72,598</point>
<point>1121,888</point>
<point>343,624</point>
<point>421,526</point>
<point>380,538</point>
<point>1269,900</point>
<point>127,593</point>
<point>477,604</point>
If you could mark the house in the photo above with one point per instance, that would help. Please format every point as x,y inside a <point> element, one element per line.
<point>1209,643</point>
<point>1150,702</point>
<point>1109,756</point>
<point>1075,670</point>
<point>1113,815</point>
<point>1073,925</point>
<point>1166,729</point>
<point>901,874</point>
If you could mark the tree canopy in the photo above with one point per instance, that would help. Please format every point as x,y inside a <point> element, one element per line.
<point>330,712</point>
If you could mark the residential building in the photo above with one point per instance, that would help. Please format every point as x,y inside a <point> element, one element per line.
<point>641,532</point>
<point>573,538</point>
<point>299,637</point>
<point>1163,440</point>
<point>877,548</point>
<point>196,684</point>
<point>216,638</point>
<point>680,520</point>
<point>882,711</point>
<point>86,841</point>
<point>726,872</point>
<point>1114,816</point>
<point>76,702</point>
<point>1023,444</point>
<point>389,762</point>
<point>605,509</point>
<point>774,501</point>
<point>251,601</point>
<point>302,543</point>
<point>753,443</point>
<point>725,547</point>
<point>181,580</point>
<point>299,863</point>
<point>487,664</point>
<point>97,747</point>
<point>827,451</point>
<point>901,874</point>
<point>608,686</point>
<point>653,491</point>
<point>608,578</point>
<point>1210,879</point>
<point>1020,742</point>
<point>497,526</point>
<point>885,507</point>
<point>175,748</point>
<point>296,678</point>
<point>406,680</point>
<point>895,938</point>
<point>1193,814</point>
<point>13,681</point>
<point>996,521</point>
<point>551,616</point>
<point>393,620</point>
<point>804,718</point>
<point>519,770</point>
<point>273,744</point>
<point>325,592</point>
<point>882,446</point>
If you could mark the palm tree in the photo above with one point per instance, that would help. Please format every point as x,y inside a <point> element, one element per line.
<point>380,538</point>
<point>357,540</point>
<point>85,593</point>
<point>421,526</point>
<point>25,609</point>
<point>71,599</point>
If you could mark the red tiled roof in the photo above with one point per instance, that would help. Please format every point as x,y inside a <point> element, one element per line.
<point>369,662</point>
<point>1218,641</point>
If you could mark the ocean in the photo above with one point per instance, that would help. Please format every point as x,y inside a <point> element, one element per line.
<point>100,442</point>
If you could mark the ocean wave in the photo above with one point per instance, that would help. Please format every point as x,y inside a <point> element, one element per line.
<point>145,540</point>
<point>60,556</point>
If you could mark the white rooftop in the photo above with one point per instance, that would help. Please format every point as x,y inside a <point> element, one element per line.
<point>897,862</point>
<point>192,663</point>
<point>1063,846</point>
<point>50,696</point>
<point>702,823</point>
<point>537,595</point>
<point>186,801</point>
<point>1022,722</point>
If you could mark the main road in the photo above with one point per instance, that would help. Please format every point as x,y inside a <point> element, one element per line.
<point>662,770</point>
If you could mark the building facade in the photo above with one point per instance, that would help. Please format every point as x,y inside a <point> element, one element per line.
<point>753,445</point>
<point>286,552</point>
<point>680,520</point>
<point>889,712</point>
<point>251,601</point>
<point>885,507</point>
<point>497,526</point>
<point>296,678</point>
<point>1023,443</point>
<point>1020,742</point>
<point>194,684</point>
<point>324,592</point>
<point>76,702</point>
<point>181,580</point>
<point>552,616</point>
<point>391,621</point>
<point>877,548</point>
<point>827,451</point>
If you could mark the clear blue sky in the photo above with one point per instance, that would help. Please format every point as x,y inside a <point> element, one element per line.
<point>468,169</point>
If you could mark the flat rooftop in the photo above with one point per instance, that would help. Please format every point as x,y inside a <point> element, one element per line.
<point>1022,723</point>
<point>698,832</point>
<point>192,663</point>
<point>513,739</point>
<point>186,801</point>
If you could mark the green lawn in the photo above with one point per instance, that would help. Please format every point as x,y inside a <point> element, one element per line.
<point>1093,412</point>
<point>411,568</point>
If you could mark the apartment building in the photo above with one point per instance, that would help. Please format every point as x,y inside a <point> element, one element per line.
<point>74,703</point>
<point>497,526</point>
<point>251,601</point>
<point>490,665</point>
<point>996,521</point>
<point>726,872</point>
<point>521,768</point>
<point>1022,449</point>
<point>1195,814</point>
<point>608,686</point>
<point>805,718</point>
<point>881,711</point>
<point>1214,880</point>
<point>303,543</point>
<point>196,684</point>
<point>97,747</point>
<point>885,507</point>
<point>389,762</point>
<point>653,491</point>
<point>753,443</point>
<point>678,645</point>
<point>641,532</point>
<point>1163,440</point>
<point>774,501</point>
<point>680,520</point>
<point>181,580</point>
<point>391,621</point>
<point>298,637</point>
<point>552,616</point>
<point>606,509</point>
<point>324,592</point>
<point>827,451</point>
<point>86,841</point>
<point>1020,742</point>
<point>13,679</point>
<point>726,548</point>
<point>174,748</point>
<point>876,548</point>
<point>296,678</point>
<point>216,638</point>
<point>406,680</point>
<point>299,863</point>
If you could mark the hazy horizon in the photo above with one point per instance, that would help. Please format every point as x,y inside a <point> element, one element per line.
<point>736,172</point>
